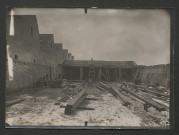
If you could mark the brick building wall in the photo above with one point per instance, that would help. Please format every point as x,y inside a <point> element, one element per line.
<point>65,54</point>
<point>25,75</point>
<point>24,43</point>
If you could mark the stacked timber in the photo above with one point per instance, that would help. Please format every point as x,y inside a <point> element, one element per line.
<point>148,102</point>
<point>103,85</point>
<point>145,89</point>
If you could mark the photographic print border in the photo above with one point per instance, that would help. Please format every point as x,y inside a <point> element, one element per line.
<point>87,4</point>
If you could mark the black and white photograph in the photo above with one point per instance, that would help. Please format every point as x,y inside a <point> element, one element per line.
<point>88,67</point>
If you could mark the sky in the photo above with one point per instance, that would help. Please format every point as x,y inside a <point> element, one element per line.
<point>140,35</point>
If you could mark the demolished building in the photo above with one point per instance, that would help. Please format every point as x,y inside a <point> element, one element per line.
<point>35,55</point>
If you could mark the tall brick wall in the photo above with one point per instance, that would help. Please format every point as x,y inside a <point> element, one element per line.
<point>57,53</point>
<point>65,54</point>
<point>32,54</point>
<point>25,41</point>
<point>45,51</point>
<point>72,58</point>
<point>69,56</point>
<point>25,75</point>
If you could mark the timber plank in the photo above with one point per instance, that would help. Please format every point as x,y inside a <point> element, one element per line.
<point>116,92</point>
<point>8,104</point>
<point>103,85</point>
<point>149,102</point>
<point>74,103</point>
<point>144,89</point>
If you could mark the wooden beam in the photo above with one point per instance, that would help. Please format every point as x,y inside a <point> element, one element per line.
<point>156,93</point>
<point>149,102</point>
<point>120,74</point>
<point>100,88</point>
<point>78,87</point>
<point>81,73</point>
<point>144,89</point>
<point>107,74</point>
<point>103,85</point>
<point>103,75</point>
<point>82,108</point>
<point>114,91</point>
<point>99,76</point>
<point>74,103</point>
<point>8,104</point>
<point>115,74</point>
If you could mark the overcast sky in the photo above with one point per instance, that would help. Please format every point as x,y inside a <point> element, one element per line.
<point>108,34</point>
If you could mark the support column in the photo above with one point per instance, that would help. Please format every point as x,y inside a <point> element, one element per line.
<point>60,72</point>
<point>120,74</point>
<point>115,74</point>
<point>107,78</point>
<point>81,73</point>
<point>99,74</point>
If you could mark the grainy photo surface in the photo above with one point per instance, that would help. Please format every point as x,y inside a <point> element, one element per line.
<point>88,67</point>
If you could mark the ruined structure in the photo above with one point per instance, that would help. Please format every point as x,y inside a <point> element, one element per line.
<point>103,70</point>
<point>33,56</point>
<point>117,71</point>
<point>157,75</point>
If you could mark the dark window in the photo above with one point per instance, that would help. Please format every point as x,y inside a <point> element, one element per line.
<point>51,43</point>
<point>31,31</point>
<point>41,41</point>
<point>34,60</point>
<point>16,57</point>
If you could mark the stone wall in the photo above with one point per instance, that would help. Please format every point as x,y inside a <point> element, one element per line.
<point>157,74</point>
<point>32,54</point>
<point>25,75</point>
<point>24,42</point>
<point>65,54</point>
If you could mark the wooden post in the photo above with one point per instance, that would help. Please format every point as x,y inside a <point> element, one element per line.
<point>81,73</point>
<point>107,74</point>
<point>104,75</point>
<point>120,74</point>
<point>99,74</point>
<point>115,74</point>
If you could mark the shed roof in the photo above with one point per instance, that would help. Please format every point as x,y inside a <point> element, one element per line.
<point>100,63</point>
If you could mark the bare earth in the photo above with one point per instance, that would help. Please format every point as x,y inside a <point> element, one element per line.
<point>39,109</point>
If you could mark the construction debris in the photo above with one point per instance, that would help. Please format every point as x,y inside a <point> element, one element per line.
<point>78,87</point>
<point>73,104</point>
<point>8,104</point>
<point>116,92</point>
<point>59,83</point>
<point>82,108</point>
<point>100,88</point>
<point>148,102</point>
<point>103,85</point>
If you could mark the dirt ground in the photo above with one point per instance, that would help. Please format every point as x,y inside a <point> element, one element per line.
<point>39,109</point>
